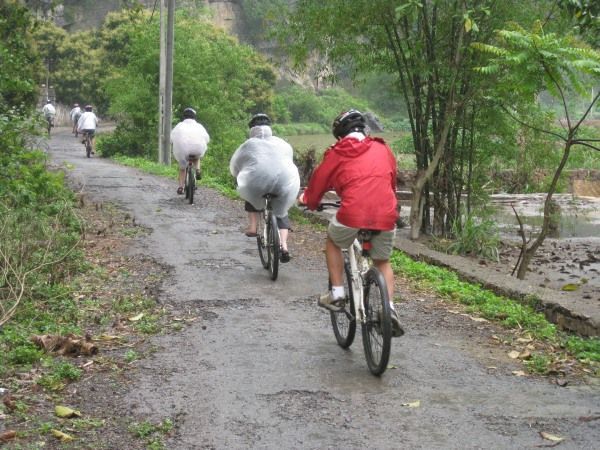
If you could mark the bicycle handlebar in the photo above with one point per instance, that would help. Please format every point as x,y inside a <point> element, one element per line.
<point>324,205</point>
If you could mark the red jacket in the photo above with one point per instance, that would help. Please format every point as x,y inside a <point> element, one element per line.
<point>363,174</point>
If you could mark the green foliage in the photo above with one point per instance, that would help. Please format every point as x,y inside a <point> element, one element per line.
<point>510,313</point>
<point>18,61</point>
<point>60,373</point>
<point>152,434</point>
<point>224,81</point>
<point>299,105</point>
<point>538,363</point>
<point>475,237</point>
<point>584,349</point>
<point>586,15</point>
<point>527,62</point>
<point>296,129</point>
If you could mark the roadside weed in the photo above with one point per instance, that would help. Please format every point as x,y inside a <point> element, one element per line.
<point>538,363</point>
<point>152,434</point>
<point>60,373</point>
<point>474,237</point>
<point>131,355</point>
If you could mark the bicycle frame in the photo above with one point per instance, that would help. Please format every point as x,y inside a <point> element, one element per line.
<point>359,265</point>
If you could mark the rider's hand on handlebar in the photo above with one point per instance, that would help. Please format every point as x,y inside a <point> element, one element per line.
<point>301,201</point>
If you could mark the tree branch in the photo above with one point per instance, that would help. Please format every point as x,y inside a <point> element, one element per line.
<point>587,111</point>
<point>585,144</point>
<point>560,91</point>
<point>541,130</point>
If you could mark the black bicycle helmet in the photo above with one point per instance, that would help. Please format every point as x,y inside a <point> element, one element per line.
<point>259,119</point>
<point>88,107</point>
<point>348,121</point>
<point>189,113</point>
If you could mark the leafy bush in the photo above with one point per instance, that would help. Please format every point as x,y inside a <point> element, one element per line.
<point>295,129</point>
<point>18,89</point>
<point>474,237</point>
<point>299,105</point>
<point>224,81</point>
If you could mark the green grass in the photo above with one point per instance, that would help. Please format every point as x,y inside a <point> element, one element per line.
<point>152,434</point>
<point>59,374</point>
<point>509,313</point>
<point>148,166</point>
<point>171,171</point>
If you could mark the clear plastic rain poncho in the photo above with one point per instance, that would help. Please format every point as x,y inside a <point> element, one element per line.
<point>264,164</point>
<point>188,138</point>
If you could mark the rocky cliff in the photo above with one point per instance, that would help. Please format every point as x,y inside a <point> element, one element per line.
<point>76,15</point>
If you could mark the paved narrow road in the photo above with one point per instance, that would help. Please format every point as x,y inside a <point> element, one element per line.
<point>261,368</point>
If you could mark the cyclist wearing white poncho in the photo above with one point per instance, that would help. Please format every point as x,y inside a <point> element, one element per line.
<point>264,164</point>
<point>189,138</point>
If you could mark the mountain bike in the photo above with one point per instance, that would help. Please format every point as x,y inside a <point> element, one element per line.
<point>49,123</point>
<point>87,140</point>
<point>367,303</point>
<point>268,238</point>
<point>190,178</point>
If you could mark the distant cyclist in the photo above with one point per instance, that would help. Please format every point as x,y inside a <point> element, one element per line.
<point>264,164</point>
<point>87,123</point>
<point>362,170</point>
<point>49,112</point>
<point>75,114</point>
<point>189,138</point>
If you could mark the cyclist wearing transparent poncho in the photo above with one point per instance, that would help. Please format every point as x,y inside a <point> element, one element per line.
<point>264,164</point>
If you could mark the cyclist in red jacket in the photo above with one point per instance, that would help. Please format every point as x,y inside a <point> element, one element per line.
<point>362,171</point>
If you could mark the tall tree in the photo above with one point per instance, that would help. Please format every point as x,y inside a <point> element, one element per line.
<point>18,59</point>
<point>426,44</point>
<point>527,63</point>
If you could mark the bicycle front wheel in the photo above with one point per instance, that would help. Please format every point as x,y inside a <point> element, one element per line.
<point>273,245</point>
<point>377,328</point>
<point>344,322</point>
<point>261,240</point>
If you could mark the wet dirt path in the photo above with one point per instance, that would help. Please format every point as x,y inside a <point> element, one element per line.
<point>260,367</point>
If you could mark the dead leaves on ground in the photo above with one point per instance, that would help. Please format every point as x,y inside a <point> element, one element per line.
<point>7,435</point>
<point>65,412</point>
<point>69,345</point>
<point>63,437</point>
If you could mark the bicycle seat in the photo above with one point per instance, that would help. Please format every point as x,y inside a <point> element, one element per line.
<point>269,195</point>
<point>365,234</point>
<point>193,157</point>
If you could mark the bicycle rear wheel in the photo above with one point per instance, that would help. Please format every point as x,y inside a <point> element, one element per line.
<point>273,245</point>
<point>344,322</point>
<point>261,240</point>
<point>186,184</point>
<point>377,329</point>
<point>88,146</point>
<point>191,183</point>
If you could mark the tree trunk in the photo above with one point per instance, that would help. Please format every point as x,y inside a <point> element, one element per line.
<point>529,253</point>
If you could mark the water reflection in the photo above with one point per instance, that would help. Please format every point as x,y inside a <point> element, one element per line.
<point>579,217</point>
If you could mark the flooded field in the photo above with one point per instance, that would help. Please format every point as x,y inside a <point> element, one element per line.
<point>579,216</point>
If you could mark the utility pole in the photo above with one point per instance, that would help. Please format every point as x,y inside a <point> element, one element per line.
<point>165,91</point>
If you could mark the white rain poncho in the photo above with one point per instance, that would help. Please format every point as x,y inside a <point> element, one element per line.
<point>189,138</point>
<point>264,164</point>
